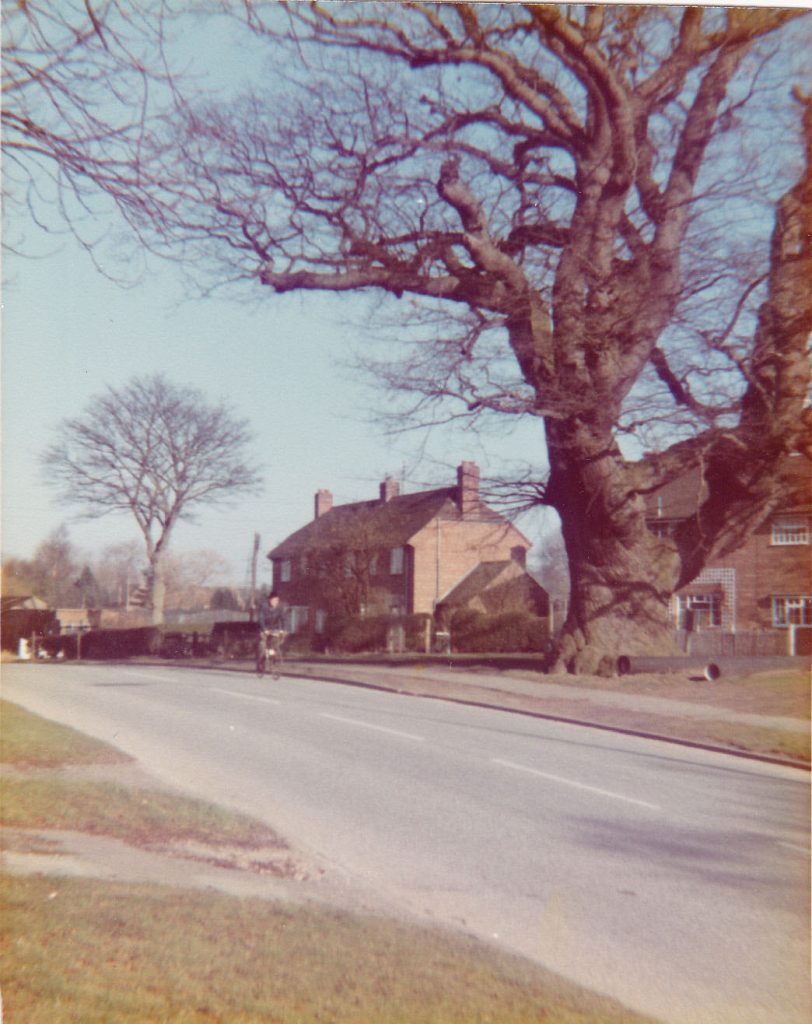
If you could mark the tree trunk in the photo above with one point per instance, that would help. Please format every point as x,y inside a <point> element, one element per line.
<point>157,587</point>
<point>621,575</point>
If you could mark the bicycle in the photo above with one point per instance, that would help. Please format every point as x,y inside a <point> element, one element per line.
<point>269,651</point>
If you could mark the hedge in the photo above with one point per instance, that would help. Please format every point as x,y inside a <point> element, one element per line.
<point>106,643</point>
<point>511,632</point>
<point>22,623</point>
<point>354,634</point>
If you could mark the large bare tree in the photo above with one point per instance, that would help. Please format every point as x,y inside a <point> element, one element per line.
<point>79,81</point>
<point>571,204</point>
<point>156,451</point>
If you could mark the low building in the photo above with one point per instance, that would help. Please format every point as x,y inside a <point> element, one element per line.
<point>495,587</point>
<point>397,554</point>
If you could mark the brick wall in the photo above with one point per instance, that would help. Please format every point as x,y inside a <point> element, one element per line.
<point>753,574</point>
<point>445,550</point>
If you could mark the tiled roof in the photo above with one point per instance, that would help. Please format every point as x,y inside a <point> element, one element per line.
<point>478,579</point>
<point>375,523</point>
<point>679,498</point>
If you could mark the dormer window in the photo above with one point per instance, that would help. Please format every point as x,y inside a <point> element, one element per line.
<point>789,530</point>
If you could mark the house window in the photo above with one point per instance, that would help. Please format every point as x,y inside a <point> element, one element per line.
<point>792,611</point>
<point>396,561</point>
<point>284,570</point>
<point>373,564</point>
<point>699,611</point>
<point>790,530</point>
<point>662,528</point>
<point>297,618</point>
<point>321,620</point>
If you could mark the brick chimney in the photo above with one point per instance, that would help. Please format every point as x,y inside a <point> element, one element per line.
<point>468,488</point>
<point>323,502</point>
<point>389,489</point>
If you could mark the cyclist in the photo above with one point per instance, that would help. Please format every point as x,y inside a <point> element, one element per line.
<point>272,630</point>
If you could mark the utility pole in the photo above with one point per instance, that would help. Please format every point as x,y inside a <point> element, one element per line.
<point>254,576</point>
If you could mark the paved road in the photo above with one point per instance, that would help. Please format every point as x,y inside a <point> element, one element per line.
<point>673,879</point>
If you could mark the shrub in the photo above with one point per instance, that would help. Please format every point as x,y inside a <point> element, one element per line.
<point>353,634</point>
<point>511,632</point>
<point>356,634</point>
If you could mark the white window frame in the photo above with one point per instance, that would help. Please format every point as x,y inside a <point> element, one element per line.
<point>710,603</point>
<point>792,610</point>
<point>790,530</point>
<point>396,561</point>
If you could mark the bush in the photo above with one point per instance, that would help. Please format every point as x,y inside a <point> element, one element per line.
<point>356,634</point>
<point>353,634</point>
<point>511,632</point>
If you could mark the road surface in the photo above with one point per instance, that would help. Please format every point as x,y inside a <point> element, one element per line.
<point>673,879</point>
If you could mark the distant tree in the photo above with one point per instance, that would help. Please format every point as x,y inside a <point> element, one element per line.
<point>87,589</point>
<point>224,599</point>
<point>550,566</point>
<point>119,571</point>
<point>55,569</point>
<point>156,451</point>
<point>189,576</point>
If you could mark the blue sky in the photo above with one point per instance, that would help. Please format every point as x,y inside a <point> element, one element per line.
<point>68,332</point>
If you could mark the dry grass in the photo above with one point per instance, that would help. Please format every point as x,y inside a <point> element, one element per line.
<point>27,739</point>
<point>100,952</point>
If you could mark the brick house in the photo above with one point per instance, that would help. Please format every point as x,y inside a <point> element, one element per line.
<point>764,585</point>
<point>398,554</point>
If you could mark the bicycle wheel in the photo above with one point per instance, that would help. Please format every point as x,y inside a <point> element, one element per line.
<point>274,664</point>
<point>262,660</point>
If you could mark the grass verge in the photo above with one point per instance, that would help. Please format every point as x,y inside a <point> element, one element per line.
<point>141,817</point>
<point>100,952</point>
<point>27,739</point>
<point>37,795</point>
